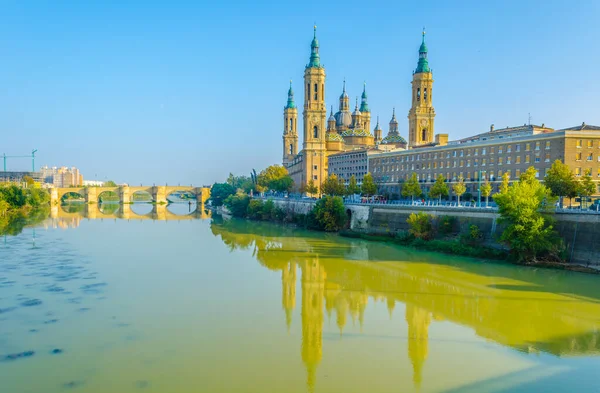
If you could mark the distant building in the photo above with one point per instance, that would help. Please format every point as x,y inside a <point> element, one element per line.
<point>17,177</point>
<point>93,183</point>
<point>62,177</point>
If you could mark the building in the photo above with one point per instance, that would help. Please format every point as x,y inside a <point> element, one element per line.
<point>62,177</point>
<point>489,155</point>
<point>93,183</point>
<point>17,177</point>
<point>346,130</point>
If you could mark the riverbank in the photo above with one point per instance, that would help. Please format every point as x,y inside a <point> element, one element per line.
<point>463,232</point>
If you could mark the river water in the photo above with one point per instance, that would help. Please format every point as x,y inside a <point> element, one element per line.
<point>151,301</point>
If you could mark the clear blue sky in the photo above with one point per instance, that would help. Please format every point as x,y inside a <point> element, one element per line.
<point>187,91</point>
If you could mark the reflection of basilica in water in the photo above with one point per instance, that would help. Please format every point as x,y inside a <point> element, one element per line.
<point>336,278</point>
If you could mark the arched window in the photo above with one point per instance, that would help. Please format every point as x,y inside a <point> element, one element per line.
<point>291,148</point>
<point>316,94</point>
<point>425,94</point>
<point>316,132</point>
<point>424,136</point>
<point>291,124</point>
<point>308,91</point>
<point>418,94</point>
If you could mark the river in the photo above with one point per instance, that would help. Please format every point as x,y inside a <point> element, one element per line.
<point>101,301</point>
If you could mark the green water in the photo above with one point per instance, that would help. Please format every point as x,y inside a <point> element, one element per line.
<point>201,305</point>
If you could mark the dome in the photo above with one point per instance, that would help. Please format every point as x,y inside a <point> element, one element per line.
<point>356,112</point>
<point>393,139</point>
<point>343,119</point>
<point>356,132</point>
<point>333,137</point>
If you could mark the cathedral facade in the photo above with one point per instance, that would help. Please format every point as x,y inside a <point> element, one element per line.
<point>347,130</point>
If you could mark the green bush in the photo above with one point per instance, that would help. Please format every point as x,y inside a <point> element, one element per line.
<point>330,214</point>
<point>405,238</point>
<point>421,225</point>
<point>238,204</point>
<point>254,209</point>
<point>268,210</point>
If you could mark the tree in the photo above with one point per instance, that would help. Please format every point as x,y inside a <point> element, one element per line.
<point>109,183</point>
<point>243,183</point>
<point>311,188</point>
<point>368,186</point>
<point>28,180</point>
<point>486,191</point>
<point>238,204</point>
<point>586,187</point>
<point>459,188</point>
<point>219,192</point>
<point>411,187</point>
<point>353,187</point>
<point>276,178</point>
<point>560,180</point>
<point>529,233</point>
<point>330,213</point>
<point>421,225</point>
<point>439,189</point>
<point>505,183</point>
<point>332,186</point>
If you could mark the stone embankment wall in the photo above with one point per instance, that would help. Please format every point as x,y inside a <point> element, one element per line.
<point>580,232</point>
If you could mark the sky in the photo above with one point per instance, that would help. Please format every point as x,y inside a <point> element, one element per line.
<point>184,92</point>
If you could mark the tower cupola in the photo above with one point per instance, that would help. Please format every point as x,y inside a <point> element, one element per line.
<point>290,102</point>
<point>364,106</point>
<point>315,61</point>
<point>423,64</point>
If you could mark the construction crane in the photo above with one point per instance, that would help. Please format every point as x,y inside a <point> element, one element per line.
<point>32,159</point>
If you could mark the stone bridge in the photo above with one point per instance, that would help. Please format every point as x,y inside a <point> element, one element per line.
<point>92,211</point>
<point>159,194</point>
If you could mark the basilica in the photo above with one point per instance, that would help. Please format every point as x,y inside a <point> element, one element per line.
<point>347,130</point>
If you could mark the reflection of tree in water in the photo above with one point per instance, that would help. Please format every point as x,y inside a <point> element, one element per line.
<point>13,223</point>
<point>340,275</point>
<point>109,208</point>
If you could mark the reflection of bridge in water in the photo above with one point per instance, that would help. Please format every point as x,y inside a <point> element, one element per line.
<point>159,194</point>
<point>159,212</point>
<point>514,307</point>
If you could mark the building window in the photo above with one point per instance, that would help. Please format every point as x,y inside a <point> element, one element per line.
<point>508,160</point>
<point>579,142</point>
<point>492,150</point>
<point>500,173</point>
<point>537,158</point>
<point>468,152</point>
<point>517,148</point>
<point>476,162</point>
<point>517,159</point>
<point>527,159</point>
<point>528,147</point>
<point>508,149</point>
<point>590,157</point>
<point>418,94</point>
<point>315,167</point>
<point>499,149</point>
<point>578,171</point>
<point>499,160</point>
<point>315,177</point>
<point>517,172</point>
<point>537,145</point>
<point>316,132</point>
<point>468,163</point>
<point>454,153</point>
<point>462,163</point>
<point>491,160</point>
<point>476,152</point>
<point>547,145</point>
<point>577,156</point>
<point>291,148</point>
<point>590,143</point>
<point>508,172</point>
<point>462,153</point>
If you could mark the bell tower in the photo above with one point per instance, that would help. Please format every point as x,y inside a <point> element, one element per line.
<point>421,115</point>
<point>290,129</point>
<point>315,151</point>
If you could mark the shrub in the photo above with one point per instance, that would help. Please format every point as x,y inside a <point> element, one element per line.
<point>421,225</point>
<point>268,210</point>
<point>329,214</point>
<point>254,209</point>
<point>238,204</point>
<point>404,238</point>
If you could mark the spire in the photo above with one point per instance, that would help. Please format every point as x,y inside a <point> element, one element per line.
<point>423,64</point>
<point>290,102</point>
<point>364,106</point>
<point>344,90</point>
<point>356,106</point>
<point>377,127</point>
<point>394,116</point>
<point>314,52</point>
